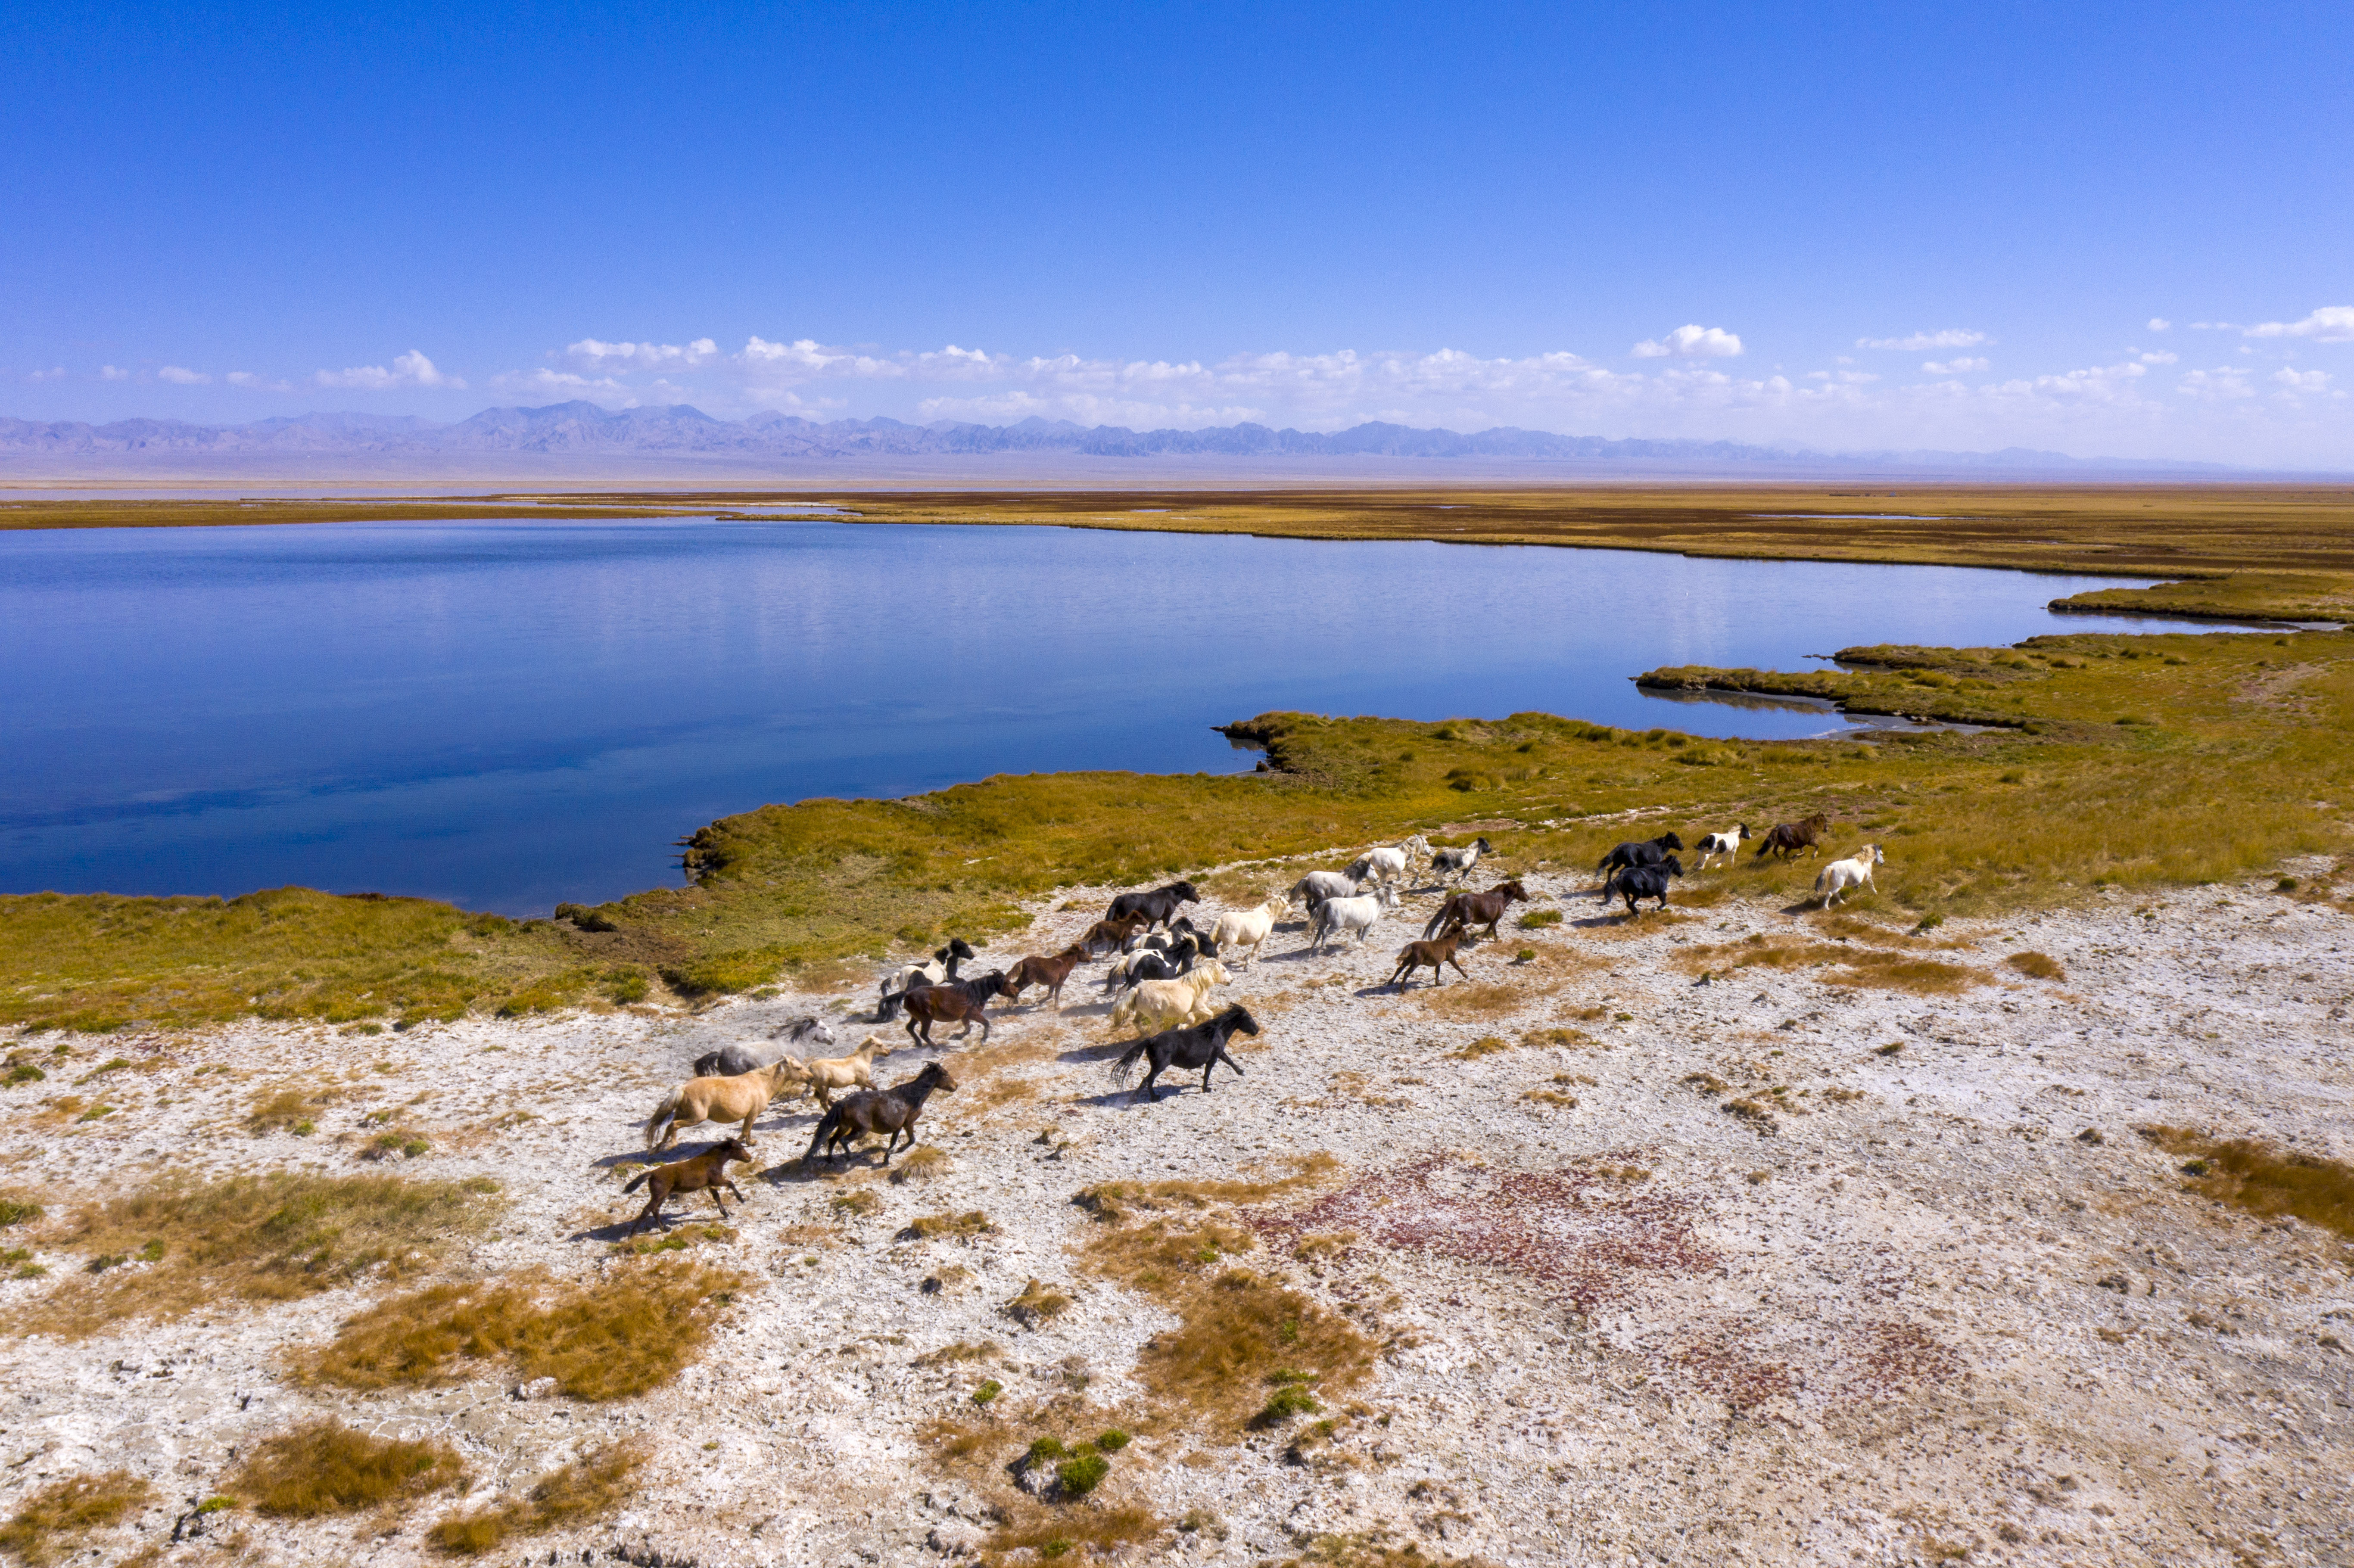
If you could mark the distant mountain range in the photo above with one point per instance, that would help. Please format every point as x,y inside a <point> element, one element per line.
<point>581,428</point>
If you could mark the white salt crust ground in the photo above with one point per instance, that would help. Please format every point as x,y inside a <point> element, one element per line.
<point>1876,1333</point>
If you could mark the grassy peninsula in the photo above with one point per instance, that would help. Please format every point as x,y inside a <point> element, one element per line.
<point>2127,761</point>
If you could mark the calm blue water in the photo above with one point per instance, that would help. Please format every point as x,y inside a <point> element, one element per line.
<point>509,715</point>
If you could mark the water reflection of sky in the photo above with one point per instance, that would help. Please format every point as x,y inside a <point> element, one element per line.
<point>512,714</point>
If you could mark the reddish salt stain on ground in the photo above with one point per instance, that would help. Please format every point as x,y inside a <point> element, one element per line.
<point>1593,1240</point>
<point>1583,1233</point>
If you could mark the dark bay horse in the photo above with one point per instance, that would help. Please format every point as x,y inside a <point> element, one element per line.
<point>1201,1045</point>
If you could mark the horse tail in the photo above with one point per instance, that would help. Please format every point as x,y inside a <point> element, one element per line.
<point>639,1180</point>
<point>1125,1068</point>
<point>890,1007</point>
<point>1124,1009</point>
<point>826,1125</point>
<point>656,1123</point>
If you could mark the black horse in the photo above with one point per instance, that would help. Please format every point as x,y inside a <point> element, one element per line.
<point>1644,882</point>
<point>1202,1045</point>
<point>1158,907</point>
<point>1650,852</point>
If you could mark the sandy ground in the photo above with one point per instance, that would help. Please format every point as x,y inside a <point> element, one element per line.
<point>1910,1314</point>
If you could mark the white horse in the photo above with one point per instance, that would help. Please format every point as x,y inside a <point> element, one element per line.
<point>1156,1005</point>
<point>1854,872</point>
<point>1385,862</point>
<point>1339,917</point>
<point>1247,929</point>
<point>1726,844</point>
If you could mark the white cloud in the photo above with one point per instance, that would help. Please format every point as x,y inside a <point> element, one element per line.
<point>2159,323</point>
<point>2224,383</point>
<point>564,386</point>
<point>2330,324</point>
<point>54,372</point>
<point>180,376</point>
<point>1952,337</point>
<point>1690,341</point>
<point>599,356</point>
<point>112,373</point>
<point>2159,356</point>
<point>2117,409</point>
<point>2301,380</point>
<point>410,369</point>
<point>252,383</point>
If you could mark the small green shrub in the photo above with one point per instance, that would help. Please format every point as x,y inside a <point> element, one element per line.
<point>987,1392</point>
<point>15,1211</point>
<point>1082,1473</point>
<point>1113,1441</point>
<point>1284,1403</point>
<point>1538,920</point>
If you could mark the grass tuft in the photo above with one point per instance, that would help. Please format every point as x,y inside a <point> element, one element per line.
<point>275,1237</point>
<point>2037,966</point>
<point>920,1164</point>
<point>325,1466</point>
<point>590,1487</point>
<point>611,1336</point>
<point>1038,1303</point>
<point>964,1226</point>
<point>51,1522</point>
<point>2264,1178</point>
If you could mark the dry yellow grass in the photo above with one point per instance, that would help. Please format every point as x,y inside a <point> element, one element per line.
<point>612,1335</point>
<point>1484,998</point>
<point>590,1488</point>
<point>1117,1201</point>
<point>929,1227</point>
<point>1243,1337</point>
<point>2264,1178</point>
<point>1084,1531</point>
<point>325,1466</point>
<point>253,1238</point>
<point>52,1521</point>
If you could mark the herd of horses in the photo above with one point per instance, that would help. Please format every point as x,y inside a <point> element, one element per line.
<point>1164,970</point>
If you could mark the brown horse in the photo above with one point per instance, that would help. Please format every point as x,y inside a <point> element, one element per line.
<point>1787,839</point>
<point>1464,910</point>
<point>1414,955</point>
<point>890,1111</point>
<point>707,1173</point>
<point>964,1001</point>
<point>1111,936</point>
<point>1048,973</point>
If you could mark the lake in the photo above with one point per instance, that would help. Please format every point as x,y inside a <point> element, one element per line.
<point>510,714</point>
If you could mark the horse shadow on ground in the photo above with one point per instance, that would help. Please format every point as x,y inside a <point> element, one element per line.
<point>1093,1051</point>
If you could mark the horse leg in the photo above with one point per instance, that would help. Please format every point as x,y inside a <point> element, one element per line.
<point>1460,970</point>
<point>1206,1068</point>
<point>653,1201</point>
<point>983,1017</point>
<point>722,1201</point>
<point>750,1116</point>
<point>1152,1071</point>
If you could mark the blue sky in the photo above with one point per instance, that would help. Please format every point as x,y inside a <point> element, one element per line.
<point>1947,227</point>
